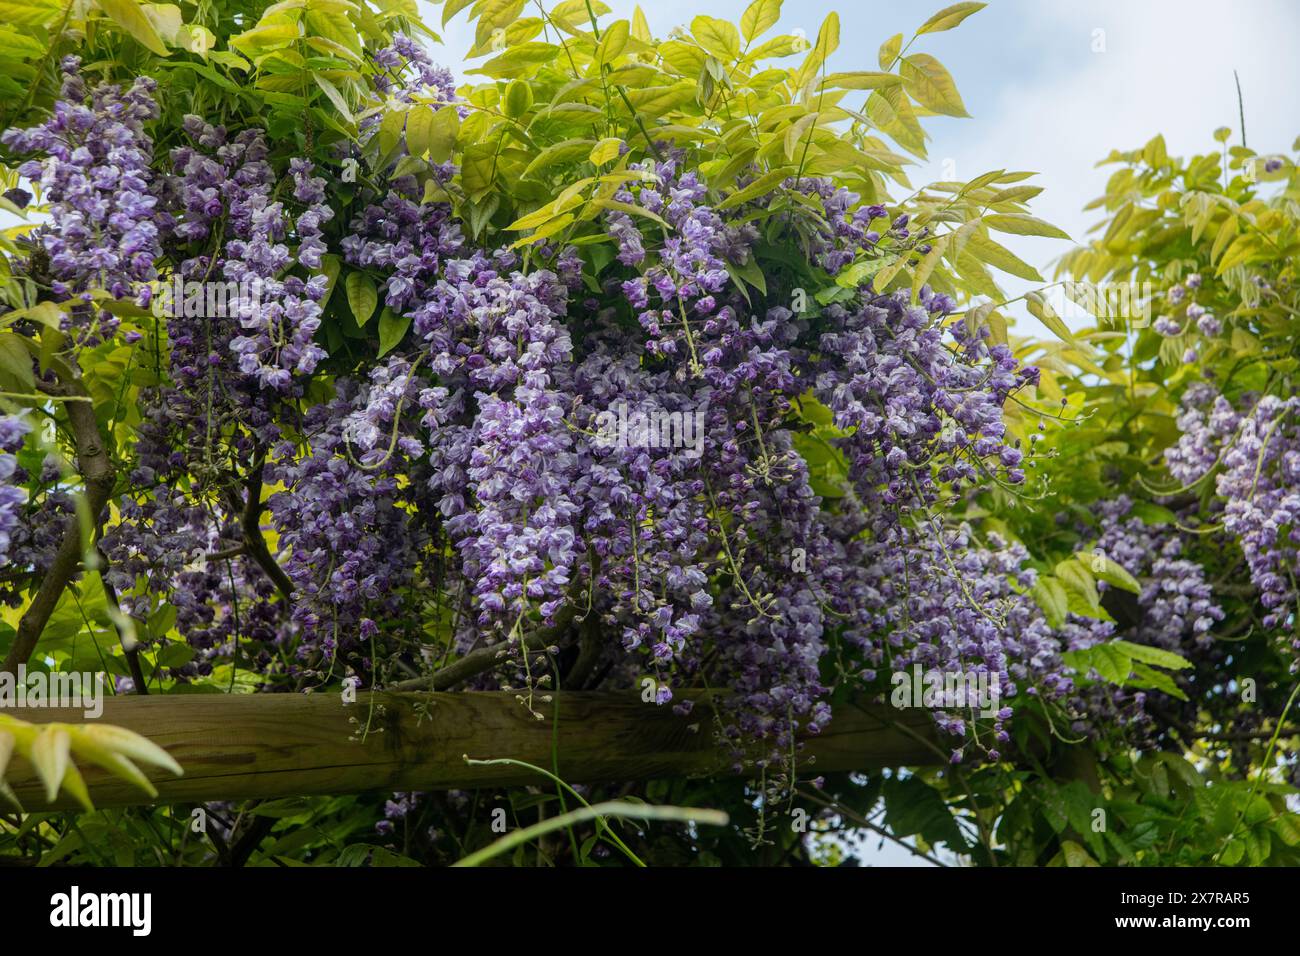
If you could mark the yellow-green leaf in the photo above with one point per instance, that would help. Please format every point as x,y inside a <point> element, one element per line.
<point>605,151</point>
<point>1104,569</point>
<point>571,150</point>
<point>719,37</point>
<point>928,262</point>
<point>759,17</point>
<point>545,231</point>
<point>931,85</point>
<point>861,80</point>
<point>1019,224</point>
<point>612,42</point>
<point>442,134</point>
<point>640,27</point>
<point>390,131</point>
<point>49,755</point>
<point>989,251</point>
<point>889,51</point>
<point>129,15</point>
<point>949,17</point>
<point>759,187</point>
<point>334,96</point>
<point>518,99</point>
<point>1042,310</point>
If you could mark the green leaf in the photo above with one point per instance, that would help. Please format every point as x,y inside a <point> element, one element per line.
<point>392,329</point>
<point>1111,662</point>
<point>759,187</point>
<point>931,84</point>
<point>1042,310</point>
<point>1020,224</point>
<point>129,15</point>
<point>334,96</point>
<point>1051,597</point>
<point>419,125</point>
<point>362,297</point>
<point>605,151</point>
<point>1073,854</point>
<point>1153,514</point>
<point>719,37</point>
<point>390,131</point>
<point>478,168</point>
<point>1146,676</point>
<point>16,374</point>
<point>1107,570</point>
<point>518,99</point>
<point>949,17</point>
<point>759,17</point>
<point>1078,579</point>
<point>1155,656</point>
<point>443,132</point>
<point>889,51</point>
<point>861,80</point>
<point>912,806</point>
<point>612,42</point>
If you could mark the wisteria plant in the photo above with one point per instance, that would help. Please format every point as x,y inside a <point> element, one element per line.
<point>640,363</point>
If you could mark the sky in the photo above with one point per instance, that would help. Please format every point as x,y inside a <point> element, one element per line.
<point>1053,85</point>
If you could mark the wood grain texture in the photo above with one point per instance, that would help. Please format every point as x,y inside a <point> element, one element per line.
<point>236,747</point>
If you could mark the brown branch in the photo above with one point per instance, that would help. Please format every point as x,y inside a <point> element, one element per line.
<point>590,647</point>
<point>250,839</point>
<point>96,471</point>
<point>251,524</point>
<point>488,656</point>
<point>130,645</point>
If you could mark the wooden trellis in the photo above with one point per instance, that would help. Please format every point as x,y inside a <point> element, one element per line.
<point>259,746</point>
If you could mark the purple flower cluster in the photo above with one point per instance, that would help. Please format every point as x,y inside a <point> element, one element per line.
<point>408,71</point>
<point>103,231</point>
<point>12,430</point>
<point>497,335</point>
<point>946,603</point>
<point>909,400</point>
<point>1178,610</point>
<point>685,283</point>
<point>347,533</point>
<point>1254,455</point>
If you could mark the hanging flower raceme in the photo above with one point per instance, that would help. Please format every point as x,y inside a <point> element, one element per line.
<point>103,229</point>
<point>12,498</point>
<point>1252,448</point>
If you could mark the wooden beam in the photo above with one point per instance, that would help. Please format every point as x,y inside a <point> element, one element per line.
<point>245,746</point>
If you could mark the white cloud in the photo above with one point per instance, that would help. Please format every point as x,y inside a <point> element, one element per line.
<point>1167,68</point>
